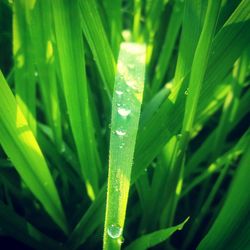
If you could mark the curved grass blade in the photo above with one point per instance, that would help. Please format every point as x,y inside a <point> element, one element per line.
<point>21,147</point>
<point>152,239</point>
<point>126,107</point>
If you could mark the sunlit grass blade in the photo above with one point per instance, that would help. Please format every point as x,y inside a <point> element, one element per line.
<point>69,44</point>
<point>152,239</point>
<point>21,147</point>
<point>200,64</point>
<point>44,57</point>
<point>25,82</point>
<point>98,42</point>
<point>126,107</point>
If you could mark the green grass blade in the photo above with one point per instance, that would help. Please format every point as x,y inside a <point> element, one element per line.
<point>152,239</point>
<point>200,64</point>
<point>21,147</point>
<point>114,13</point>
<point>232,227</point>
<point>25,83</point>
<point>126,107</point>
<point>44,57</point>
<point>168,45</point>
<point>69,44</point>
<point>98,42</point>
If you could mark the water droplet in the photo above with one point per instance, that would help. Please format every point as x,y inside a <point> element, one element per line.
<point>114,231</point>
<point>186,92</point>
<point>121,240</point>
<point>120,132</point>
<point>123,112</point>
<point>36,74</point>
<point>119,92</point>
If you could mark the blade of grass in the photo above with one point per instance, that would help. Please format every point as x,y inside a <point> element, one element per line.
<point>126,106</point>
<point>44,57</point>
<point>168,45</point>
<point>98,42</point>
<point>21,147</point>
<point>25,83</point>
<point>232,223</point>
<point>113,11</point>
<point>152,239</point>
<point>69,44</point>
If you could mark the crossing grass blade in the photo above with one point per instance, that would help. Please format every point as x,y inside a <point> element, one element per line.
<point>69,45</point>
<point>126,107</point>
<point>232,223</point>
<point>21,147</point>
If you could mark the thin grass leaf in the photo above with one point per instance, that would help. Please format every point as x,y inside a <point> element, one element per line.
<point>168,45</point>
<point>114,13</point>
<point>21,147</point>
<point>25,82</point>
<point>232,223</point>
<point>126,107</point>
<point>199,64</point>
<point>98,42</point>
<point>44,58</point>
<point>69,44</point>
<point>155,238</point>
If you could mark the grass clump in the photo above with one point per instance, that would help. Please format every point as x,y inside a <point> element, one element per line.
<point>124,125</point>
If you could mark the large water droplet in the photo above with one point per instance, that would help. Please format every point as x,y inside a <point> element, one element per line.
<point>120,132</point>
<point>114,231</point>
<point>186,92</point>
<point>123,112</point>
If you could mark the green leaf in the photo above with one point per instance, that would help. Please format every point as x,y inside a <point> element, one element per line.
<point>152,239</point>
<point>98,42</point>
<point>21,147</point>
<point>126,106</point>
<point>231,228</point>
<point>25,82</point>
<point>69,44</point>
